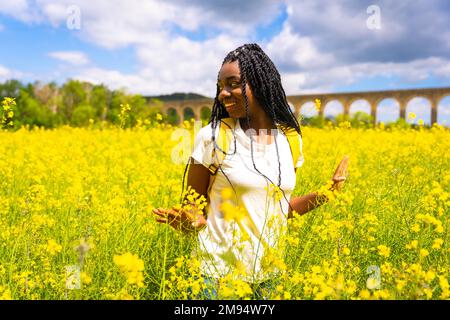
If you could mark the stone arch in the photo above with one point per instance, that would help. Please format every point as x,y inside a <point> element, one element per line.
<point>360,110</point>
<point>188,113</point>
<point>359,104</point>
<point>415,105</point>
<point>332,109</point>
<point>443,111</point>
<point>173,117</point>
<point>387,110</point>
<point>307,110</point>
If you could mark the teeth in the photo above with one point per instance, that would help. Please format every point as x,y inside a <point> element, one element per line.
<point>229,104</point>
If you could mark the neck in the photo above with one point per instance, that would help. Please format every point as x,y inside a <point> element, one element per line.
<point>257,123</point>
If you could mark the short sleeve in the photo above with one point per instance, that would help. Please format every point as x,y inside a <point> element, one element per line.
<point>203,147</point>
<point>301,159</point>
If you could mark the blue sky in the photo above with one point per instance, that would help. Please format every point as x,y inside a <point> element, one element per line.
<point>157,47</point>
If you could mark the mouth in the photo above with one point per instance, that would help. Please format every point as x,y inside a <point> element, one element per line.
<point>229,105</point>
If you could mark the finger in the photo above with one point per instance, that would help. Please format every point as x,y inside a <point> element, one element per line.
<point>172,213</point>
<point>161,220</point>
<point>176,209</point>
<point>341,169</point>
<point>161,213</point>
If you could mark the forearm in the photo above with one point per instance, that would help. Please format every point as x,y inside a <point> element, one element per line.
<point>306,203</point>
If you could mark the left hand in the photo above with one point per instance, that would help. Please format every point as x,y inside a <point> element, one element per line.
<point>180,219</point>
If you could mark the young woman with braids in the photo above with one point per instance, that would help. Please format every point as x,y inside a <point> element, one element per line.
<point>249,91</point>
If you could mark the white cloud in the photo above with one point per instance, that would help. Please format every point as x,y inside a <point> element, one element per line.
<point>6,74</point>
<point>75,58</point>
<point>328,78</point>
<point>20,9</point>
<point>185,66</point>
<point>168,63</point>
<point>294,52</point>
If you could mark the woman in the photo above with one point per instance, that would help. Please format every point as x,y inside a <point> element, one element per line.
<point>248,191</point>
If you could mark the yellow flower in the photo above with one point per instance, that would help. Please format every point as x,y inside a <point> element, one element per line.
<point>429,276</point>
<point>227,193</point>
<point>364,294</point>
<point>412,245</point>
<point>133,267</point>
<point>53,247</point>
<point>415,228</point>
<point>384,251</point>
<point>5,293</point>
<point>424,252</point>
<point>437,243</point>
<point>317,104</point>
<point>439,228</point>
<point>85,278</point>
<point>400,284</point>
<point>411,115</point>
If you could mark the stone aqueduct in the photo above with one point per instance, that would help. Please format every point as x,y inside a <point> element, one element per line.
<point>433,95</point>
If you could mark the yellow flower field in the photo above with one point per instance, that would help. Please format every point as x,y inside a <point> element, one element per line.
<point>76,222</point>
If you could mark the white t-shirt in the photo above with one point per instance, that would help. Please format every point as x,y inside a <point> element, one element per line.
<point>244,244</point>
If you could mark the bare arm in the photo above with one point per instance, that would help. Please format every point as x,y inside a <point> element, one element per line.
<point>306,203</point>
<point>192,220</point>
<point>198,178</point>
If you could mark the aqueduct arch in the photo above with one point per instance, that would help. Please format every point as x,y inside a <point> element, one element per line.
<point>433,95</point>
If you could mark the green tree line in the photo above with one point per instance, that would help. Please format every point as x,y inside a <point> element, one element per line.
<point>75,103</point>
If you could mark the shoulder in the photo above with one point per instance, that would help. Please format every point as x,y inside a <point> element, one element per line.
<point>205,133</point>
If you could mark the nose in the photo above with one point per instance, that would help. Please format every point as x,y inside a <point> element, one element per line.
<point>225,92</point>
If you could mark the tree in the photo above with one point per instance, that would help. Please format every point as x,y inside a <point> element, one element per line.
<point>361,119</point>
<point>73,95</point>
<point>11,89</point>
<point>99,100</point>
<point>33,113</point>
<point>82,114</point>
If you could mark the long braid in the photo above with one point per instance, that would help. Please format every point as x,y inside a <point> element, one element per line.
<point>259,71</point>
<point>244,67</point>
<point>272,106</point>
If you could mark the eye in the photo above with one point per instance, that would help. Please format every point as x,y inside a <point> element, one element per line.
<point>235,84</point>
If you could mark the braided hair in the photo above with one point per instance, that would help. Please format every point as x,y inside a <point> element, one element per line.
<point>258,70</point>
<point>264,79</point>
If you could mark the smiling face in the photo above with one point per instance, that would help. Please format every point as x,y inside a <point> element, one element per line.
<point>231,95</point>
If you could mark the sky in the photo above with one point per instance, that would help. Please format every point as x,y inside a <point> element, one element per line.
<point>154,47</point>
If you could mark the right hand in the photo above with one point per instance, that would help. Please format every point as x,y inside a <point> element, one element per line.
<point>185,220</point>
<point>340,175</point>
